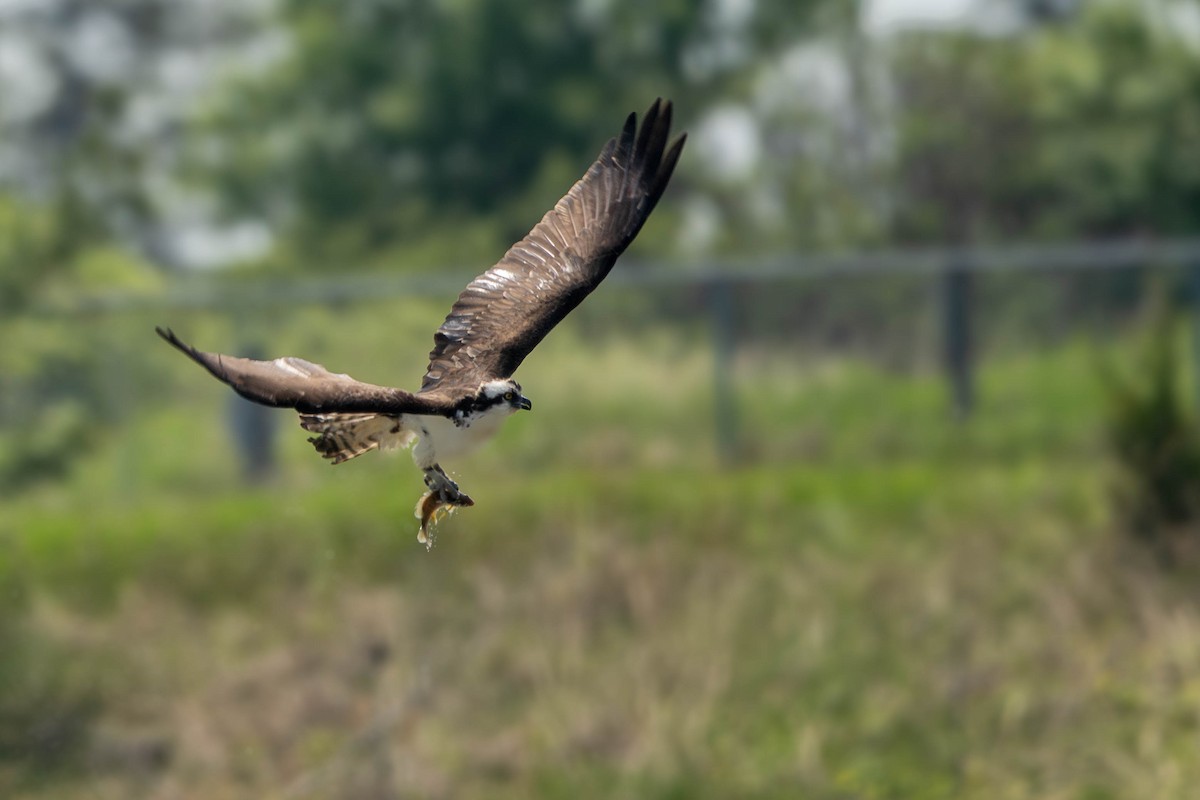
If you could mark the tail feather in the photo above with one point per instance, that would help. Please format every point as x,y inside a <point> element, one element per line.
<point>341,437</point>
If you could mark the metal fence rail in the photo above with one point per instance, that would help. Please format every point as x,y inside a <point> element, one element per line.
<point>214,291</point>
<point>955,269</point>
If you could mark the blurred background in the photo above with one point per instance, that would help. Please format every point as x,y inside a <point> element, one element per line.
<point>873,470</point>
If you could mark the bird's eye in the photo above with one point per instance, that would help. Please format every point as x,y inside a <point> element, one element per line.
<point>508,396</point>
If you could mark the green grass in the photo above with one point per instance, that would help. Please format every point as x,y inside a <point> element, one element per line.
<point>876,602</point>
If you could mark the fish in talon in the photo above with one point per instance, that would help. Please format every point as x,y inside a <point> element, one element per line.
<point>432,507</point>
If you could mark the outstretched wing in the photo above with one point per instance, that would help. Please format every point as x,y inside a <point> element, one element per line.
<point>307,387</point>
<point>503,314</point>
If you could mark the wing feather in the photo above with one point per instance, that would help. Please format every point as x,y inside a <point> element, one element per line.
<point>291,382</point>
<point>505,312</point>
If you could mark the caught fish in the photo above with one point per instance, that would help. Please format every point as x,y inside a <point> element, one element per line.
<point>431,508</point>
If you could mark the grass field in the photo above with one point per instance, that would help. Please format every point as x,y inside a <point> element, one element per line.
<point>875,603</point>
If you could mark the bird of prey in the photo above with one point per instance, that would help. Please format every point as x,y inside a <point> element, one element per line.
<point>468,389</point>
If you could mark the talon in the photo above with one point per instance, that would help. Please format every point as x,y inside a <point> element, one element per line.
<point>453,497</point>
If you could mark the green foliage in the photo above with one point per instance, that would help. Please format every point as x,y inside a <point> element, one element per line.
<point>56,382</point>
<point>35,431</point>
<point>29,238</point>
<point>1076,130</point>
<point>1154,433</point>
<point>418,135</point>
<point>395,122</point>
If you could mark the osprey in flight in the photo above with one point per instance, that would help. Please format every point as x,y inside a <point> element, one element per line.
<point>468,390</point>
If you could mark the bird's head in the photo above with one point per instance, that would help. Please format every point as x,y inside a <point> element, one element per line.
<point>503,393</point>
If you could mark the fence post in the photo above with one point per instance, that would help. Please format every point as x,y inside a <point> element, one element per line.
<point>253,429</point>
<point>721,316</point>
<point>956,334</point>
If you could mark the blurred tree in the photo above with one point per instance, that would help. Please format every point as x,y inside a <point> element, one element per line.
<point>1083,129</point>
<point>55,384</point>
<point>1119,103</point>
<point>965,132</point>
<point>409,122</point>
<point>90,101</point>
<point>92,98</point>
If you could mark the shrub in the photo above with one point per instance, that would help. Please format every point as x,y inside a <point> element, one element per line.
<point>1154,437</point>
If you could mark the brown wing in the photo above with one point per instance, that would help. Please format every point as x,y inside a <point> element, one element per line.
<point>295,383</point>
<point>503,314</point>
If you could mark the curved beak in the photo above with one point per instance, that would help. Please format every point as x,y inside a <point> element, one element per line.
<point>524,403</point>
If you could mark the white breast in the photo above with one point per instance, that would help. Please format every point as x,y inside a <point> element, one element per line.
<point>442,438</point>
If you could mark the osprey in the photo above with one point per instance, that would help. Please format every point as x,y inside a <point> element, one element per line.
<point>468,390</point>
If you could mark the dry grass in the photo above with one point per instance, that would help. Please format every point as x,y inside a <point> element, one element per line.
<point>648,667</point>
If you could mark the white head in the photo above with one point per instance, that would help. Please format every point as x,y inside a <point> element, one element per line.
<point>502,393</point>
